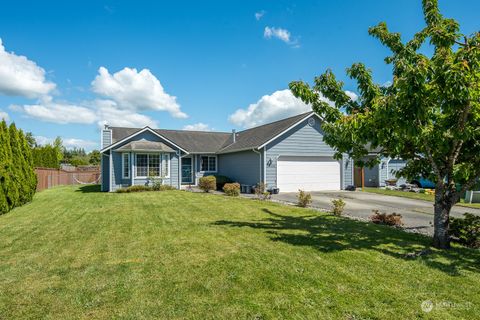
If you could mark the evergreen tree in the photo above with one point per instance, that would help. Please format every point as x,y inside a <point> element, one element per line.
<point>9,187</point>
<point>30,175</point>
<point>3,167</point>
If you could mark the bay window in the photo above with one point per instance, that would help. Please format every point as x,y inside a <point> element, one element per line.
<point>152,165</point>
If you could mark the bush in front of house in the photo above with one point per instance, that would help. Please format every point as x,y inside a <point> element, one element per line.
<point>304,199</point>
<point>135,188</point>
<point>232,189</point>
<point>207,183</point>
<point>143,188</point>
<point>337,207</point>
<point>466,230</point>
<point>392,219</point>
<point>221,181</point>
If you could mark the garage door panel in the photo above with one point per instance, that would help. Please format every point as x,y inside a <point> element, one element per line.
<point>309,174</point>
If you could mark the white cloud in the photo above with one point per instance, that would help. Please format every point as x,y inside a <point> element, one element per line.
<point>108,112</point>
<point>62,113</point>
<point>69,143</point>
<point>259,15</point>
<point>279,33</point>
<point>135,91</point>
<point>278,105</point>
<point>22,77</point>
<point>197,127</point>
<point>4,115</point>
<point>352,95</point>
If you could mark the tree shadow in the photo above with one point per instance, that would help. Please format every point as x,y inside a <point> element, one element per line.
<point>327,233</point>
<point>89,188</point>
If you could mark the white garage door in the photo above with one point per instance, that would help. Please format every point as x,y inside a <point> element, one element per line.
<point>308,174</point>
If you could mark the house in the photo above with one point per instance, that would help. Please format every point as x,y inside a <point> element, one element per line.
<point>288,154</point>
<point>375,176</point>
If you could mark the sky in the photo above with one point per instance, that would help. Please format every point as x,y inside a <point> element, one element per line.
<point>69,67</point>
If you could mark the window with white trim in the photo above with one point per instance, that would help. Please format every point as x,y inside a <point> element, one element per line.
<point>126,165</point>
<point>208,163</point>
<point>152,165</point>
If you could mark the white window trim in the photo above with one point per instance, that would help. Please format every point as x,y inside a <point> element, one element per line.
<point>168,164</point>
<point>160,154</point>
<point>123,166</point>
<point>209,156</point>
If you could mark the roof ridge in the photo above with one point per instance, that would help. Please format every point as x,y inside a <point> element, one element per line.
<point>280,120</point>
<point>195,131</point>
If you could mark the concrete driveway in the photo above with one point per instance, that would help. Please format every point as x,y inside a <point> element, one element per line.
<point>416,214</point>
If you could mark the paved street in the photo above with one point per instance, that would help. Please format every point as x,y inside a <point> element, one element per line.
<point>416,213</point>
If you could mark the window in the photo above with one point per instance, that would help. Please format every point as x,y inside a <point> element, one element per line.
<point>126,165</point>
<point>142,165</point>
<point>208,163</point>
<point>152,165</point>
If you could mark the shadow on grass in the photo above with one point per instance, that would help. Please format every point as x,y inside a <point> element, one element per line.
<point>89,188</point>
<point>330,234</point>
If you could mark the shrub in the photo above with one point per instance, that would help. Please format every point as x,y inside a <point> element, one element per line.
<point>232,189</point>
<point>261,191</point>
<point>166,187</point>
<point>466,230</point>
<point>392,219</point>
<point>221,181</point>
<point>207,183</point>
<point>135,188</point>
<point>304,199</point>
<point>337,206</point>
<point>155,183</point>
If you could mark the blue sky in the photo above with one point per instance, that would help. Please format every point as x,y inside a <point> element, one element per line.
<point>67,67</point>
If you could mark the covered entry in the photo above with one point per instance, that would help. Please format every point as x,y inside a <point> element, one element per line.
<point>308,173</point>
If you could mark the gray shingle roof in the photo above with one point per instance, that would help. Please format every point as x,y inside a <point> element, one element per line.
<point>255,137</point>
<point>217,142</point>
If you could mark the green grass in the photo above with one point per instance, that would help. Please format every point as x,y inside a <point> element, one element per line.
<point>74,253</point>
<point>413,195</point>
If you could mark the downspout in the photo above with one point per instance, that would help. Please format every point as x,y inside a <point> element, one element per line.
<point>260,164</point>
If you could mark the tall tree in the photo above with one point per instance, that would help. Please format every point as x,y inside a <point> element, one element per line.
<point>7,180</point>
<point>429,115</point>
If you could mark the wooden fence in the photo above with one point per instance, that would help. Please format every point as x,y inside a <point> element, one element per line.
<point>48,178</point>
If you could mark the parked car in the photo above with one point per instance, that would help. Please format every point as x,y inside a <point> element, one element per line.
<point>423,183</point>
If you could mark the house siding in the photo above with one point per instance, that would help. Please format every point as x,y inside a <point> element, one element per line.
<point>347,171</point>
<point>303,140</point>
<point>105,165</point>
<point>117,180</point>
<point>242,167</point>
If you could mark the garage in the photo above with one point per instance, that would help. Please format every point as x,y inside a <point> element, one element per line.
<point>308,174</point>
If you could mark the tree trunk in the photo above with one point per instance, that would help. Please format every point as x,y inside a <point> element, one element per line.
<point>444,200</point>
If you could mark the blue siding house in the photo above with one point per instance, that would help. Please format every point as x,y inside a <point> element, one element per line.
<point>289,154</point>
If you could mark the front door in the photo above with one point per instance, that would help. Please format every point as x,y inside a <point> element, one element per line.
<point>187,170</point>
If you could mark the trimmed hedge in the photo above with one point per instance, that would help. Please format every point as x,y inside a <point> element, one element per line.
<point>232,189</point>
<point>207,183</point>
<point>18,181</point>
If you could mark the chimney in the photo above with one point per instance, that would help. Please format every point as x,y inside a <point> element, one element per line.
<point>106,137</point>
<point>234,135</point>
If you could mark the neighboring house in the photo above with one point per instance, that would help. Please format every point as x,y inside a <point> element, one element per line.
<point>289,154</point>
<point>376,176</point>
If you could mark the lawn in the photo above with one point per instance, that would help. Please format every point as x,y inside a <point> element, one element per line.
<point>413,195</point>
<point>76,253</point>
